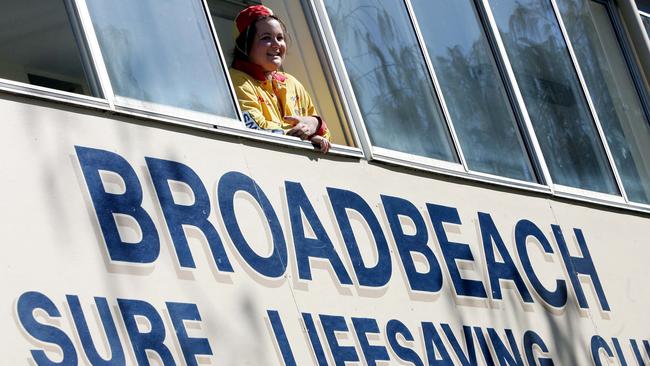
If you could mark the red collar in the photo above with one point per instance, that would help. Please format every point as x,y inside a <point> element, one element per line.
<point>256,70</point>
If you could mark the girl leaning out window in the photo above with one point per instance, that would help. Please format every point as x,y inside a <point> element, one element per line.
<point>271,99</point>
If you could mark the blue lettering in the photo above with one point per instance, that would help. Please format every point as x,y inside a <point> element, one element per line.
<point>452,251</point>
<point>316,344</point>
<point>178,312</point>
<point>523,230</point>
<point>152,340</point>
<point>504,356</point>
<point>532,339</point>
<point>498,271</point>
<point>485,348</point>
<point>321,246</point>
<point>372,354</point>
<point>114,345</point>
<point>431,337</point>
<point>580,265</point>
<point>342,354</point>
<point>466,358</point>
<point>395,327</point>
<point>129,203</point>
<point>430,281</point>
<point>597,344</point>
<point>27,303</point>
<point>619,352</point>
<point>637,352</point>
<point>230,183</point>
<point>281,338</point>
<point>196,214</point>
<point>378,275</point>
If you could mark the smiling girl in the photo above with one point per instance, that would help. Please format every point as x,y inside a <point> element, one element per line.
<point>271,99</point>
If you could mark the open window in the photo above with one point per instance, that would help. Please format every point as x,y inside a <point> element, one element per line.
<point>306,57</point>
<point>161,57</point>
<point>40,45</point>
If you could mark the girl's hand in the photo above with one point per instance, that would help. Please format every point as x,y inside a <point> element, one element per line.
<point>321,144</point>
<point>303,126</point>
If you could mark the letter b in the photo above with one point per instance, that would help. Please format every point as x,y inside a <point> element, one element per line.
<point>128,203</point>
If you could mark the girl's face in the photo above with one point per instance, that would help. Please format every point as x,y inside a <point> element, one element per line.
<point>269,46</point>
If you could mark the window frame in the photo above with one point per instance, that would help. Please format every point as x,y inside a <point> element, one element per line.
<point>592,110</point>
<point>626,47</point>
<point>516,97</point>
<point>322,32</point>
<point>634,74</point>
<point>542,172</point>
<point>529,148</point>
<point>370,151</point>
<point>146,109</point>
<point>558,189</point>
<point>455,141</point>
<point>460,169</point>
<point>331,74</point>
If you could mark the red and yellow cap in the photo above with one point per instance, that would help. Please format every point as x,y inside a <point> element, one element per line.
<point>249,15</point>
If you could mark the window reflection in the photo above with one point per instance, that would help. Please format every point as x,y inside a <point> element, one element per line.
<point>473,90</point>
<point>553,96</point>
<point>163,53</point>
<point>389,77</point>
<point>612,91</point>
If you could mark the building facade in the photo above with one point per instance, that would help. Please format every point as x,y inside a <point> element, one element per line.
<point>486,200</point>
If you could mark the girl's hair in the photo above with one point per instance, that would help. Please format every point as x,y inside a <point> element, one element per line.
<point>244,41</point>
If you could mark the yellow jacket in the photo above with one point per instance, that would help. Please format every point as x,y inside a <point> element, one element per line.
<point>268,102</point>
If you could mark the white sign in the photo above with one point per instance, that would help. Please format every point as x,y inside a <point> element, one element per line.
<point>130,243</point>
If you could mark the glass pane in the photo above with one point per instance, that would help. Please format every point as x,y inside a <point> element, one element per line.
<point>612,91</point>
<point>302,59</point>
<point>465,66</point>
<point>39,46</point>
<point>556,104</point>
<point>389,77</point>
<point>162,52</point>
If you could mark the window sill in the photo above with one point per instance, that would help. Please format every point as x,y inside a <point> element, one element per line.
<point>18,88</point>
<point>215,124</point>
<point>457,171</point>
<point>234,127</point>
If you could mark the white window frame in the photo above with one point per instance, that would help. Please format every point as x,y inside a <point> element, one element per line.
<point>316,11</point>
<point>148,109</point>
<point>536,168</point>
<point>644,14</point>
<point>376,153</point>
<point>640,92</point>
<point>558,189</point>
<point>461,169</point>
